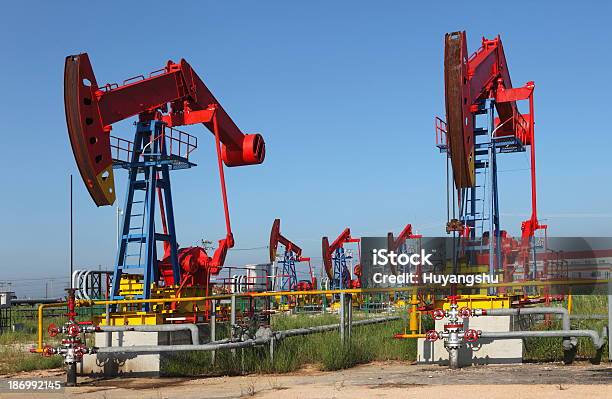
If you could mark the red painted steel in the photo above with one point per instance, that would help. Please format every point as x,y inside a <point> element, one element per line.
<point>393,244</point>
<point>469,80</point>
<point>277,238</point>
<point>174,94</point>
<point>484,75</point>
<point>460,129</point>
<point>196,264</point>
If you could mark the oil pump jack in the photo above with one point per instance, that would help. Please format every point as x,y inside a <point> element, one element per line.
<point>478,87</point>
<point>398,244</point>
<point>291,255</point>
<point>163,100</point>
<point>336,261</point>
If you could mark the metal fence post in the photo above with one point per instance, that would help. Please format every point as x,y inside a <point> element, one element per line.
<point>610,314</point>
<point>324,304</point>
<point>233,321</point>
<point>272,343</point>
<point>349,311</point>
<point>213,328</point>
<point>342,317</point>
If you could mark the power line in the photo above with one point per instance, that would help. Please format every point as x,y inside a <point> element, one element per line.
<point>38,279</point>
<point>250,249</point>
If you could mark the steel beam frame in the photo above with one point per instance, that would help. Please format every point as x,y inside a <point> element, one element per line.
<point>149,144</point>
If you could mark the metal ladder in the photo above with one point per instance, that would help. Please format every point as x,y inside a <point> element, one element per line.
<point>481,200</point>
<point>342,274</point>
<point>289,276</point>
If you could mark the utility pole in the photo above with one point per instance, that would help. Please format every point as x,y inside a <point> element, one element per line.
<point>71,234</point>
<point>119,214</point>
<point>610,314</point>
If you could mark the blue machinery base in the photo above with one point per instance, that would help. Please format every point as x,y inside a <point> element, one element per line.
<point>342,275</point>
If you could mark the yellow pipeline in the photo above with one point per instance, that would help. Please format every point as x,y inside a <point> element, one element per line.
<point>414,319</point>
<point>41,308</point>
<point>409,336</point>
<point>246,295</point>
<point>325,292</point>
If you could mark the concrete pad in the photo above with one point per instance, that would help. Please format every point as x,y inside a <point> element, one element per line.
<point>131,364</point>
<point>484,351</point>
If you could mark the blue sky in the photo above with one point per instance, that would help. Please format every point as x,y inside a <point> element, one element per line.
<point>344,94</point>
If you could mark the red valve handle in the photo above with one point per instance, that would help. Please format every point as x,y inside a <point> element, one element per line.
<point>53,330</point>
<point>465,313</point>
<point>438,314</point>
<point>471,335</point>
<point>432,335</point>
<point>74,330</point>
<point>48,351</point>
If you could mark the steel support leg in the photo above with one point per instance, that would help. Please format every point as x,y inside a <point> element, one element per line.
<point>233,321</point>
<point>213,329</point>
<point>349,311</point>
<point>610,320</point>
<point>272,343</point>
<point>342,318</point>
<point>71,375</point>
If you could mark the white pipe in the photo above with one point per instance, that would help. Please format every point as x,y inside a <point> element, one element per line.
<point>569,341</point>
<point>75,281</point>
<point>598,341</point>
<point>84,286</point>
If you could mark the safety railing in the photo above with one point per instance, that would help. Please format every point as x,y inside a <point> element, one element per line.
<point>121,149</point>
<point>112,85</point>
<point>441,130</point>
<point>178,144</point>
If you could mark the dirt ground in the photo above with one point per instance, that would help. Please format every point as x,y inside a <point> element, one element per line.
<point>376,380</point>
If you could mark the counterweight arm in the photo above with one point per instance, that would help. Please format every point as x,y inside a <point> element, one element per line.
<point>175,94</point>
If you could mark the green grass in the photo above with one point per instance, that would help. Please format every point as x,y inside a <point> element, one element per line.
<point>15,359</point>
<point>14,346</point>
<point>549,349</point>
<point>323,350</point>
<point>368,343</point>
